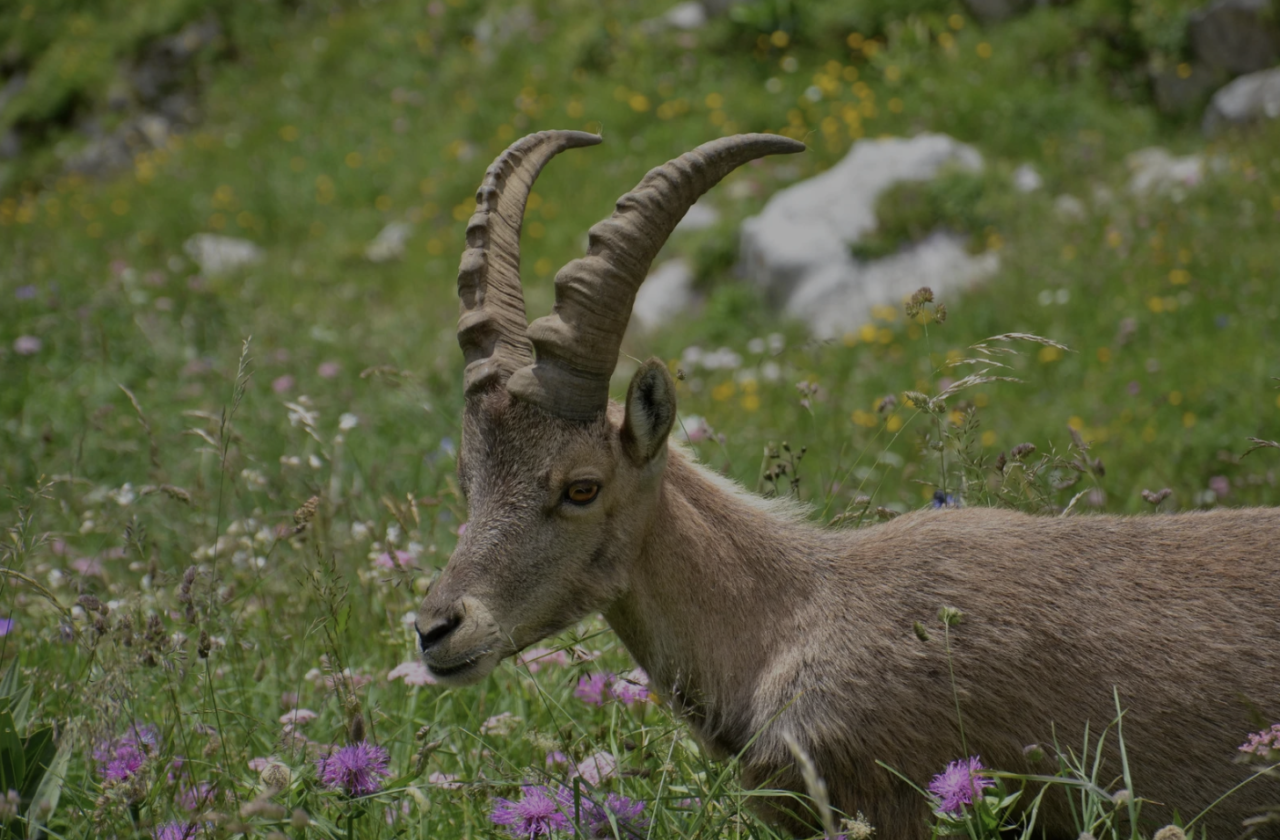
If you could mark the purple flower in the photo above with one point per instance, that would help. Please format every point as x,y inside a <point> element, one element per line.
<point>26,292</point>
<point>176,831</point>
<point>628,814</point>
<point>957,786</point>
<point>197,797</point>
<point>6,626</point>
<point>594,689</point>
<point>357,769</point>
<point>539,812</point>
<point>121,758</point>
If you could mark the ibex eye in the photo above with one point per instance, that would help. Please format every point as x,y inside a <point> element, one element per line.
<point>582,492</point>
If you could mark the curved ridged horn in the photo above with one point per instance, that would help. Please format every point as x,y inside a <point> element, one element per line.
<point>491,328</point>
<point>578,342</point>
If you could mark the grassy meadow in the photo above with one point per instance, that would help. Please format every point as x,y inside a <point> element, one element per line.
<point>225,495</point>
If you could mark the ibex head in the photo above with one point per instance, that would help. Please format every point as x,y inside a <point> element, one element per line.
<point>561,484</point>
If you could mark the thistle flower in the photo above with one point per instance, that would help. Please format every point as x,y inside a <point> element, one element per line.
<point>121,758</point>
<point>540,811</point>
<point>177,831</point>
<point>628,814</point>
<point>958,785</point>
<point>357,769</point>
<point>594,688</point>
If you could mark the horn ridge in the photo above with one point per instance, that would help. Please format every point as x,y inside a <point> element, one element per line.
<point>491,326</point>
<point>577,344</point>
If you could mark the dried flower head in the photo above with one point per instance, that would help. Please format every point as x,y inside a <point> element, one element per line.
<point>357,769</point>
<point>1170,832</point>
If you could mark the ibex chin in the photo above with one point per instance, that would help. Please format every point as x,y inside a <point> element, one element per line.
<point>760,628</point>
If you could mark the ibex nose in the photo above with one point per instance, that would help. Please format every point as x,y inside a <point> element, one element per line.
<point>438,631</point>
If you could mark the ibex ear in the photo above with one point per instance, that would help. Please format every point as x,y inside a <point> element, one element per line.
<point>651,411</point>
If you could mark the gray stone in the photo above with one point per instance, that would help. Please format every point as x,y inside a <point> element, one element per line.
<point>1154,170</point>
<point>218,255</point>
<point>1239,36</point>
<point>700,217</point>
<point>389,244</point>
<point>798,248</point>
<point>839,298</point>
<point>665,293</point>
<point>1248,99</point>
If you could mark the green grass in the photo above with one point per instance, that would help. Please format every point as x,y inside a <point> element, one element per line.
<point>321,126</point>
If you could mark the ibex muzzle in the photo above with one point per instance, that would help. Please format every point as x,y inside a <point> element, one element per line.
<point>761,629</point>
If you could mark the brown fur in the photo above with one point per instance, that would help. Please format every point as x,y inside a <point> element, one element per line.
<point>753,623</point>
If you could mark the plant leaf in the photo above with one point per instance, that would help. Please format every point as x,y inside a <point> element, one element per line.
<point>9,682</point>
<point>38,752</point>
<point>13,766</point>
<point>45,799</point>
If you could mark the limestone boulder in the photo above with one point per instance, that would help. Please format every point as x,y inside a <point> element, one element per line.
<point>1238,36</point>
<point>1246,100</point>
<point>799,248</point>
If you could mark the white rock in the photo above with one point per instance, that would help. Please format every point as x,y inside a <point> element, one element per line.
<point>1154,170</point>
<point>798,248</point>
<point>666,292</point>
<point>690,15</point>
<point>389,244</point>
<point>221,254</point>
<point>838,298</point>
<point>699,217</point>
<point>1026,179</point>
<point>1245,100</point>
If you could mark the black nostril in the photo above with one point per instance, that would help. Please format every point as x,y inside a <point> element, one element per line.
<point>438,631</point>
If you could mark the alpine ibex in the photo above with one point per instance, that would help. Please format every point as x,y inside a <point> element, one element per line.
<point>754,623</point>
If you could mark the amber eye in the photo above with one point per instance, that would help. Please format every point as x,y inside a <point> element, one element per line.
<point>582,492</point>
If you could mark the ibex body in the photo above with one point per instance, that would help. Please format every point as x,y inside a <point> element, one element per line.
<point>760,628</point>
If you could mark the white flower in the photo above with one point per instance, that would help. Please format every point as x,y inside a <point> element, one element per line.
<point>298,414</point>
<point>348,421</point>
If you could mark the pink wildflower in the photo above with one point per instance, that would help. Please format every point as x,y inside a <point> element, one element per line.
<point>298,717</point>
<point>535,658</point>
<point>631,689</point>
<point>281,384</point>
<point>26,345</point>
<point>413,673</point>
<point>328,370</point>
<point>1263,743</point>
<point>597,768</point>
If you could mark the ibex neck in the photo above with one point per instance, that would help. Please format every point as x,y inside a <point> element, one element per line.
<point>715,590</point>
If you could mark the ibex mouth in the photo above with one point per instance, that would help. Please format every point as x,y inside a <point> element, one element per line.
<point>461,670</point>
